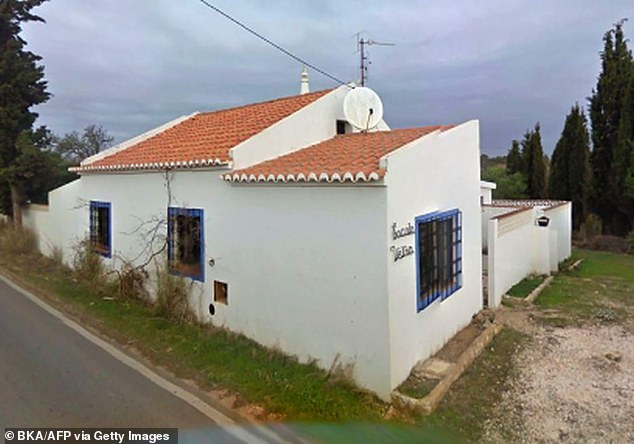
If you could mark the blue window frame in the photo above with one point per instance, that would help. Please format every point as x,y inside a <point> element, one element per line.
<point>100,228</point>
<point>438,256</point>
<point>186,242</point>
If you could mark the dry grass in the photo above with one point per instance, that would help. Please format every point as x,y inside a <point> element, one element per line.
<point>172,294</point>
<point>88,268</point>
<point>132,283</point>
<point>20,241</point>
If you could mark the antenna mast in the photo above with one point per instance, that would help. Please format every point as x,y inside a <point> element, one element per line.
<point>363,66</point>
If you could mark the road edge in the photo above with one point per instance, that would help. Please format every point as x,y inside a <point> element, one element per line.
<point>220,418</point>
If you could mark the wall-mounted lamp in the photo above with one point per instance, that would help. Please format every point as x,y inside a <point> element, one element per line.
<point>543,221</point>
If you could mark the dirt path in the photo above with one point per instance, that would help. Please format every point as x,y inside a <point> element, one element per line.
<point>573,385</point>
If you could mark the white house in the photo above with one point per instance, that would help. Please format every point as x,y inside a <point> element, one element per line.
<point>360,248</point>
<point>486,192</point>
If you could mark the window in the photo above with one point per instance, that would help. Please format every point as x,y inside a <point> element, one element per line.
<point>185,242</point>
<point>343,127</point>
<point>221,293</point>
<point>438,256</point>
<point>100,238</point>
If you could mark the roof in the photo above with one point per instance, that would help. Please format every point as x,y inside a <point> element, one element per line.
<point>348,157</point>
<point>527,203</point>
<point>201,139</point>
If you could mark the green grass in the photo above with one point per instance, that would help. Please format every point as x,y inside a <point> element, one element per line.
<point>419,388</point>
<point>215,358</point>
<point>525,286</point>
<point>473,398</point>
<point>601,264</point>
<point>600,288</point>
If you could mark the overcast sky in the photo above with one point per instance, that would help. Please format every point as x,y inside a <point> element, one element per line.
<point>131,65</point>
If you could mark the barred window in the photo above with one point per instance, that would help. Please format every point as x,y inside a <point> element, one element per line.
<point>439,256</point>
<point>185,242</point>
<point>100,238</point>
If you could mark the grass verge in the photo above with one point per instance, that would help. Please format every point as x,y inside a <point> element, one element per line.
<point>212,357</point>
<point>600,289</point>
<point>472,399</point>
<point>523,288</point>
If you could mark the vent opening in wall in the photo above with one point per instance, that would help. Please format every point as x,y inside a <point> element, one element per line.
<point>221,293</point>
<point>343,127</point>
<point>212,309</point>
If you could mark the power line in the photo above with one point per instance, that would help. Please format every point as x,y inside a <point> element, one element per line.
<point>273,44</point>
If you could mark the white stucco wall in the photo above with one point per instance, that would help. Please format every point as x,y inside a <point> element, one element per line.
<point>560,228</point>
<point>489,212</point>
<point>486,192</point>
<point>308,274</point>
<point>36,217</point>
<point>511,248</point>
<point>317,122</point>
<point>59,226</point>
<point>305,265</point>
<point>438,172</point>
<point>518,247</point>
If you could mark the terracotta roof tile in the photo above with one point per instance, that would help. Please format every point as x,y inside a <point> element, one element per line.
<point>205,138</point>
<point>350,157</point>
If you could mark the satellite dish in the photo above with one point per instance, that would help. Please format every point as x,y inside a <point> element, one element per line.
<point>363,108</point>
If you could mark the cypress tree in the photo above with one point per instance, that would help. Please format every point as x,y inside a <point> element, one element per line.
<point>570,168</point>
<point>611,115</point>
<point>533,165</point>
<point>22,86</point>
<point>514,158</point>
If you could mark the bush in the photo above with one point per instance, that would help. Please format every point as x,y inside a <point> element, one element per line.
<point>88,267</point>
<point>591,227</point>
<point>20,241</point>
<point>172,295</point>
<point>612,244</point>
<point>57,256</point>
<point>630,242</point>
<point>132,282</point>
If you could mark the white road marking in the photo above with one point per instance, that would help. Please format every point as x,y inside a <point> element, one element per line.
<point>222,420</point>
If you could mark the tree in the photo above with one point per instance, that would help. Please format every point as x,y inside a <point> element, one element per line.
<point>509,186</point>
<point>76,147</point>
<point>570,167</point>
<point>22,86</point>
<point>612,118</point>
<point>533,165</point>
<point>514,158</point>
<point>37,169</point>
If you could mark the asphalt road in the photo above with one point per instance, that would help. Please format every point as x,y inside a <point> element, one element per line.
<point>52,376</point>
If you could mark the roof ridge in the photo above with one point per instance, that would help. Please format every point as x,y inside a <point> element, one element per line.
<point>353,157</point>
<point>265,102</point>
<point>397,130</point>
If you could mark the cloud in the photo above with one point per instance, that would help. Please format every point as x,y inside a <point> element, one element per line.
<point>131,66</point>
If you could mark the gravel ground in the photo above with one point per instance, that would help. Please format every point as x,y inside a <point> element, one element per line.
<point>573,385</point>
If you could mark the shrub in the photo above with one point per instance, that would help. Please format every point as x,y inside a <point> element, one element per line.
<point>57,256</point>
<point>18,241</point>
<point>132,282</point>
<point>172,295</point>
<point>591,227</point>
<point>88,267</point>
<point>612,244</point>
<point>630,242</point>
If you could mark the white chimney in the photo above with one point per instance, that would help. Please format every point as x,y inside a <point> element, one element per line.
<point>304,87</point>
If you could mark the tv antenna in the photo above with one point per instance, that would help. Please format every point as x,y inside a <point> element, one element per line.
<point>361,44</point>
